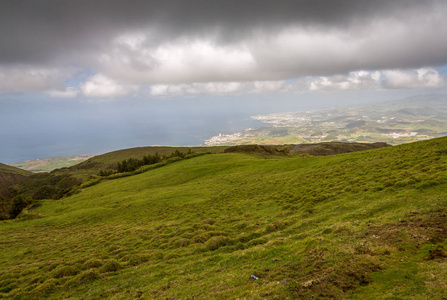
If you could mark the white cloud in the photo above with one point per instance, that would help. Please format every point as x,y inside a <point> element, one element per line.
<point>287,52</point>
<point>260,60</point>
<point>177,49</point>
<point>69,92</point>
<point>185,60</point>
<point>30,79</point>
<point>297,51</point>
<point>419,78</point>
<point>102,86</point>
<point>217,88</point>
<point>159,90</point>
<point>209,88</point>
<point>268,86</point>
<point>357,80</point>
<point>424,78</point>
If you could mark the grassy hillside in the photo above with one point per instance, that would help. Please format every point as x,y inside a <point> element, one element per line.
<point>320,149</point>
<point>5,169</point>
<point>50,164</point>
<point>109,160</point>
<point>9,176</point>
<point>66,181</point>
<point>363,225</point>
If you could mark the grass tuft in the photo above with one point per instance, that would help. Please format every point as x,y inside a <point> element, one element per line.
<point>64,271</point>
<point>110,266</point>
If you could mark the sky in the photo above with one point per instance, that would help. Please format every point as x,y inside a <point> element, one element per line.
<point>90,55</point>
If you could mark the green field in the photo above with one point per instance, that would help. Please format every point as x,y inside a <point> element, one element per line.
<point>363,225</point>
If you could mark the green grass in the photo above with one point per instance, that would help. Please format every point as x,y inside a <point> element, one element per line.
<point>13,170</point>
<point>361,225</point>
<point>110,160</point>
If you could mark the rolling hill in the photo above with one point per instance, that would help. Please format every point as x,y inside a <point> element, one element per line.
<point>109,161</point>
<point>362,225</point>
<point>9,176</point>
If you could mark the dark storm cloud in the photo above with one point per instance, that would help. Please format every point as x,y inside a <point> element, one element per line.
<point>132,43</point>
<point>44,31</point>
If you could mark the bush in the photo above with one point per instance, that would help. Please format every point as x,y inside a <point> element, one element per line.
<point>18,204</point>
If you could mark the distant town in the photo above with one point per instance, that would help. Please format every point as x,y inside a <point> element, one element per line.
<point>394,122</point>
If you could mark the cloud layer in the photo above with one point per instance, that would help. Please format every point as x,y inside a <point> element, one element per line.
<point>218,47</point>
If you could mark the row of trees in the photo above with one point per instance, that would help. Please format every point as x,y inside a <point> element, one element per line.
<point>131,164</point>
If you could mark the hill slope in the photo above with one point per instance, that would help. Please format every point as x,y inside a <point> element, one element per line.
<point>9,170</point>
<point>106,161</point>
<point>367,225</point>
<point>9,176</point>
<point>319,149</point>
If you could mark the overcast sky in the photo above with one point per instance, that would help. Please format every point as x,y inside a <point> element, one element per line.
<point>122,73</point>
<point>107,49</point>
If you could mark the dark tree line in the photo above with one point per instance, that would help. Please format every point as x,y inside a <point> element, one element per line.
<point>131,164</point>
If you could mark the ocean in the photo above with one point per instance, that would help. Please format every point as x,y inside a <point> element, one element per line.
<point>41,128</point>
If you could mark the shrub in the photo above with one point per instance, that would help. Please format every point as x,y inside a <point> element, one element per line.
<point>18,204</point>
